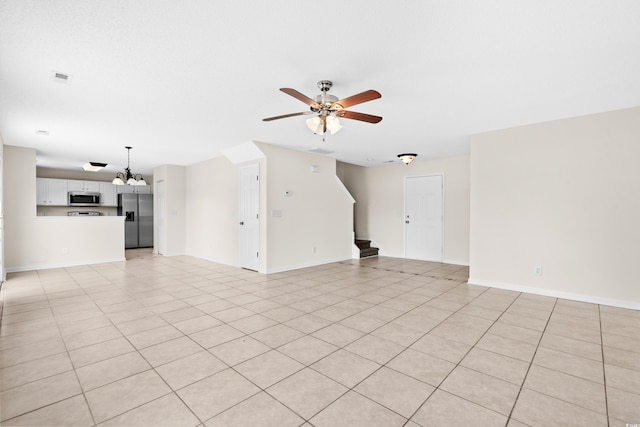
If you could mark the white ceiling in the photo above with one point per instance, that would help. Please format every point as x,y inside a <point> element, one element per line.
<point>182,80</point>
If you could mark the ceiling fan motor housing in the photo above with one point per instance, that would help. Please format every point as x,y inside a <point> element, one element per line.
<point>325,85</point>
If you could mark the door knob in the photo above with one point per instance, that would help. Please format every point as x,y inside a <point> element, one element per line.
<point>241,222</point>
<point>406,222</point>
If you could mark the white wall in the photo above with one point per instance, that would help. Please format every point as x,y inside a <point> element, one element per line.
<point>212,211</point>
<point>44,242</point>
<point>318,213</point>
<point>379,208</point>
<point>175,181</point>
<point>563,195</point>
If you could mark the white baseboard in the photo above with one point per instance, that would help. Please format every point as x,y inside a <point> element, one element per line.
<point>456,262</point>
<point>216,260</point>
<point>272,270</point>
<point>557,294</point>
<point>61,265</point>
<point>305,265</point>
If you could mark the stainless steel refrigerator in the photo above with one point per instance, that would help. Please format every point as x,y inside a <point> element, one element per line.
<point>138,224</point>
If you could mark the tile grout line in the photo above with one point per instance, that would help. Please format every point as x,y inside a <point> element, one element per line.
<point>136,350</point>
<point>82,392</point>
<point>524,379</point>
<point>290,283</point>
<point>309,366</point>
<point>339,348</point>
<point>604,371</point>
<point>152,368</point>
<point>465,355</point>
<point>406,347</point>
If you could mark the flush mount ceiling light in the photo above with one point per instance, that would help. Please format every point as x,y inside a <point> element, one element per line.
<point>328,108</point>
<point>127,177</point>
<point>93,166</point>
<point>407,157</point>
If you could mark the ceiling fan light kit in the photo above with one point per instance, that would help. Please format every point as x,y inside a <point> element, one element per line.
<point>318,124</point>
<point>128,177</point>
<point>407,158</point>
<point>326,109</point>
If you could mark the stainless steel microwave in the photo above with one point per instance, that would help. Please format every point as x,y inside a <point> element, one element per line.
<point>84,198</point>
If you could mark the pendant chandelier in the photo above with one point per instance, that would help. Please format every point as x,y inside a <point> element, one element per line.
<point>127,177</point>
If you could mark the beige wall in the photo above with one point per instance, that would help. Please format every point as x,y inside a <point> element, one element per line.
<point>563,195</point>
<point>32,242</point>
<point>317,214</point>
<point>175,179</point>
<point>379,208</point>
<point>19,195</point>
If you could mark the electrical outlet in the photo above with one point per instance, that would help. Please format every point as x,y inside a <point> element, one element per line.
<point>65,251</point>
<point>314,250</point>
<point>538,270</point>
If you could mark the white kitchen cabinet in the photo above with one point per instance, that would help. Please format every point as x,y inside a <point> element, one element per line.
<point>124,189</point>
<point>143,189</point>
<point>109,194</point>
<point>77,185</point>
<point>51,192</point>
<point>137,189</point>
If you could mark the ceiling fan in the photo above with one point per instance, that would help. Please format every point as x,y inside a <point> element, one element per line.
<point>328,108</point>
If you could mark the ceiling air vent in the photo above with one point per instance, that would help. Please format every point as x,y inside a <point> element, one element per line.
<point>61,77</point>
<point>320,151</point>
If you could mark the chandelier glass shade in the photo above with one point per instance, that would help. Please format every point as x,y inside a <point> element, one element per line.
<point>128,177</point>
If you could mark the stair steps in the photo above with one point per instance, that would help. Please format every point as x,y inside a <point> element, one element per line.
<point>366,250</point>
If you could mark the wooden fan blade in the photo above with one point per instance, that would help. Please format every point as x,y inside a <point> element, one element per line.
<point>365,96</point>
<point>359,116</point>
<point>297,95</point>
<point>268,119</point>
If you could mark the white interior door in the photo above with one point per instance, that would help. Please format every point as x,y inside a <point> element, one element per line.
<point>423,217</point>
<point>161,218</point>
<point>248,216</point>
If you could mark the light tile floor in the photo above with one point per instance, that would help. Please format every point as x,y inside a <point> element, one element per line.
<point>377,342</point>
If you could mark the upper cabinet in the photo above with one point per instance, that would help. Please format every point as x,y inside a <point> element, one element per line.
<point>137,189</point>
<point>75,185</point>
<point>51,192</point>
<point>109,194</point>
